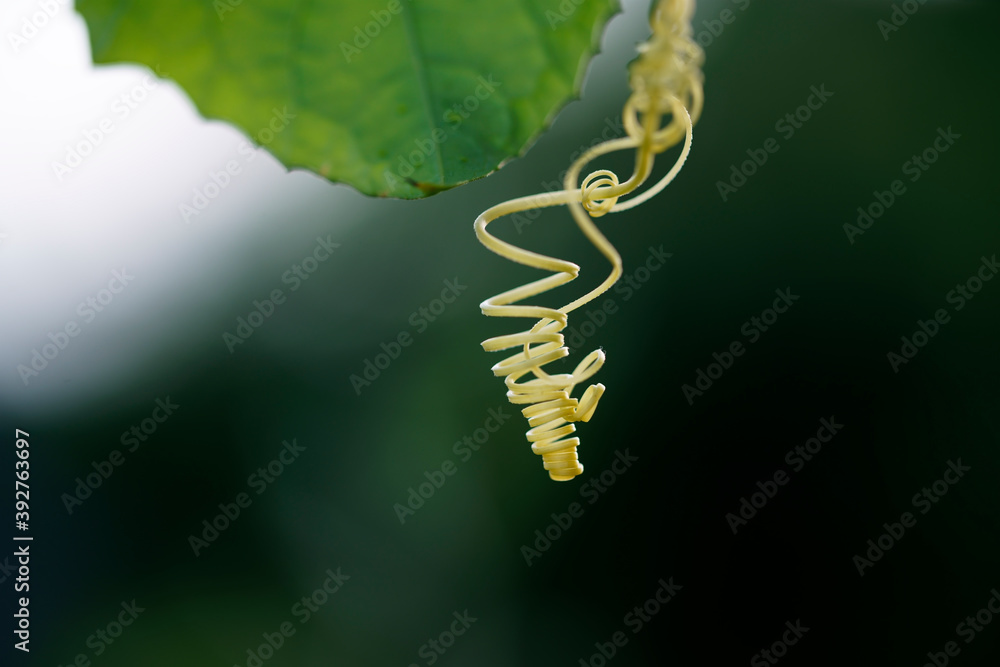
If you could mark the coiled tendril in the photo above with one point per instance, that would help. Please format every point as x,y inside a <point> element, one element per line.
<point>666,81</point>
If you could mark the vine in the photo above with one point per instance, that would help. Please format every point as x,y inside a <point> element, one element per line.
<point>666,82</point>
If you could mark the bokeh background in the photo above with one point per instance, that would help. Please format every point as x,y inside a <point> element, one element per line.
<point>663,518</point>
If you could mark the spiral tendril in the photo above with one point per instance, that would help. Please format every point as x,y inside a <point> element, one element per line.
<point>666,81</point>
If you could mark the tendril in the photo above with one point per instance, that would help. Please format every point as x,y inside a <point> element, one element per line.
<point>666,83</point>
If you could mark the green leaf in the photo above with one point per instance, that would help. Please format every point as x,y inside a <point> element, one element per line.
<point>361,91</point>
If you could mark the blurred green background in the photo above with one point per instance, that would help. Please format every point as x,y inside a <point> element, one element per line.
<point>665,517</point>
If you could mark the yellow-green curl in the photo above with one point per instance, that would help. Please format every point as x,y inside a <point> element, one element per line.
<point>666,81</point>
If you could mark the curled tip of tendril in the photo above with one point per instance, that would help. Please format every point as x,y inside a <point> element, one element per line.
<point>666,83</point>
<point>603,178</point>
